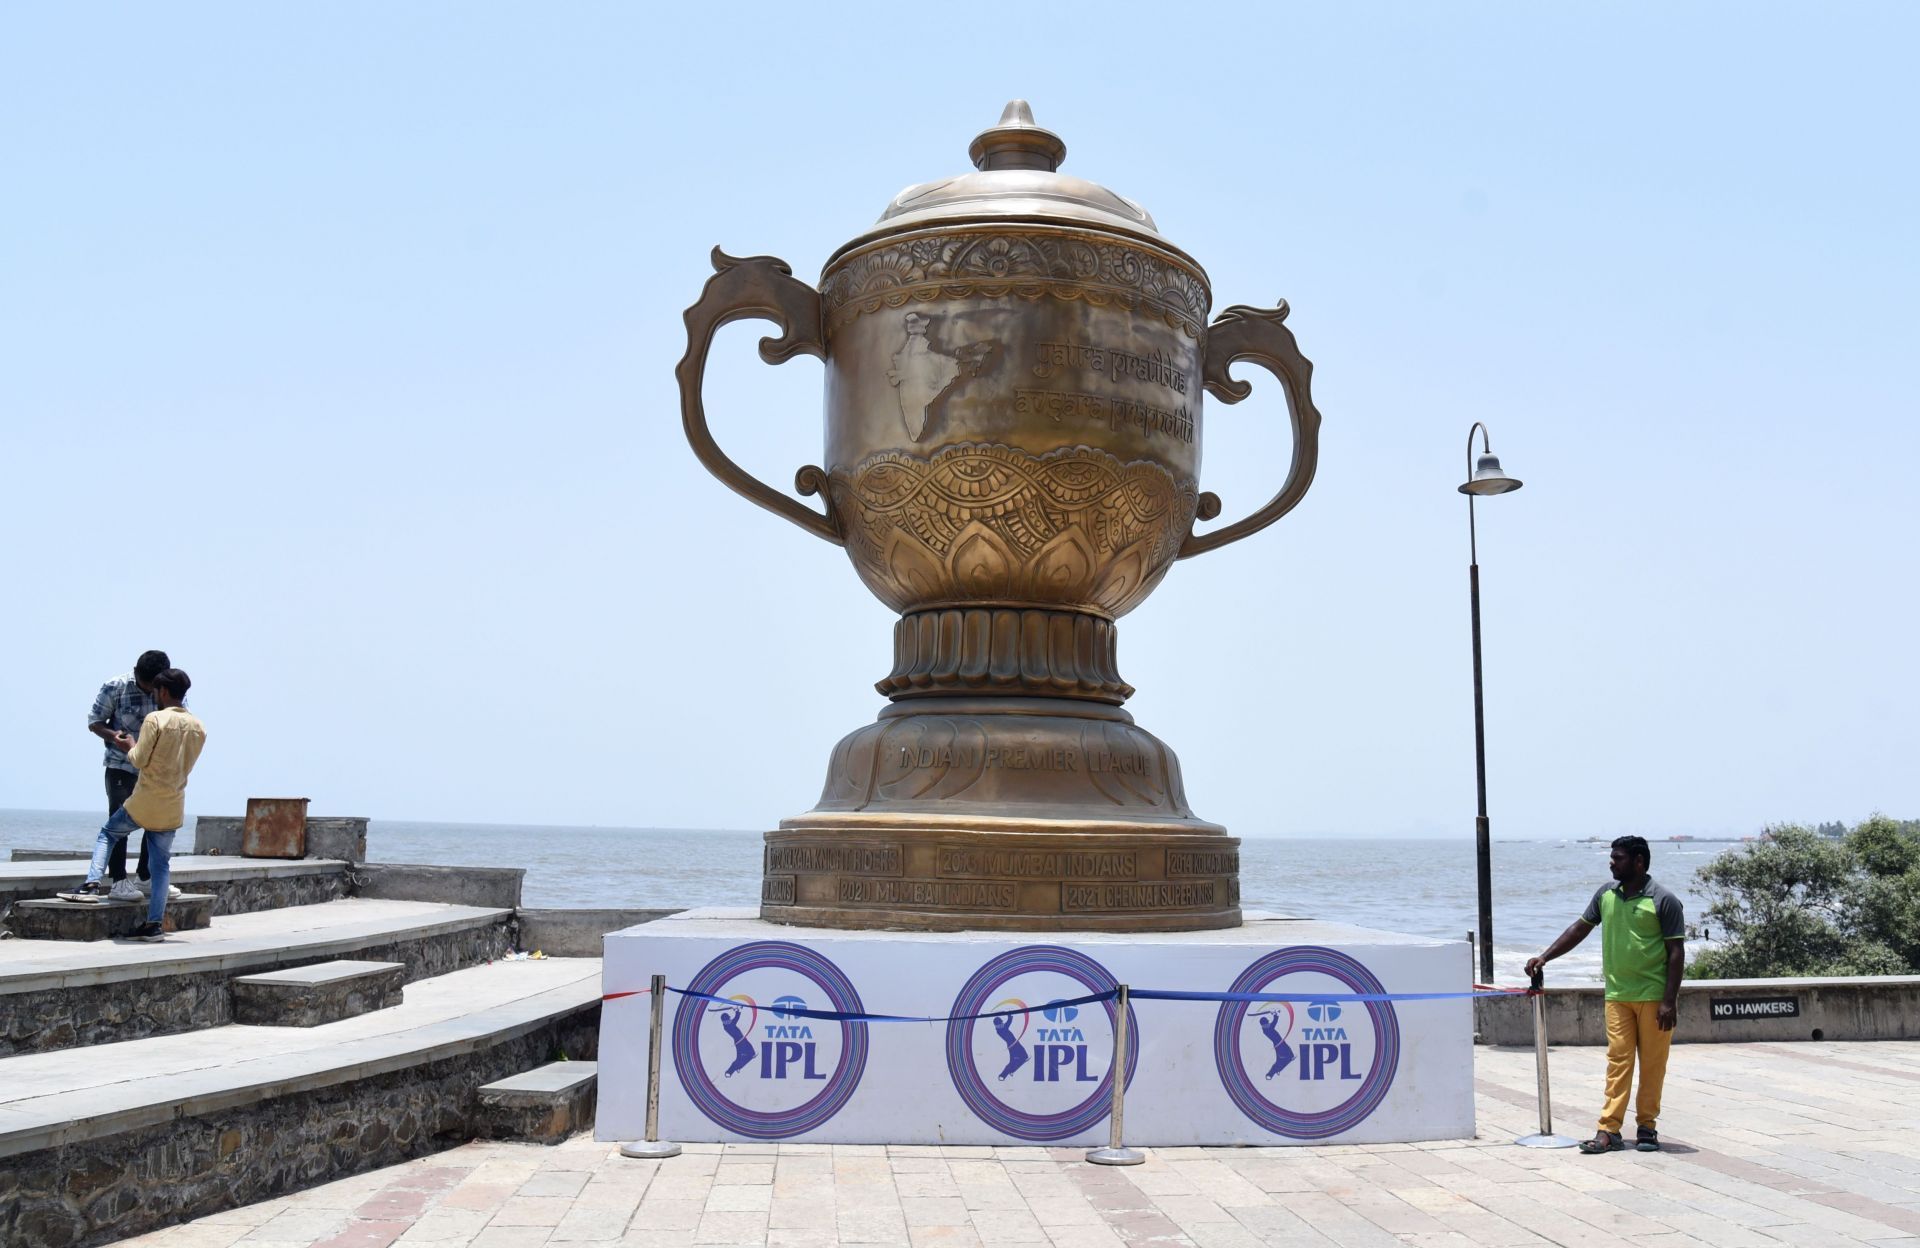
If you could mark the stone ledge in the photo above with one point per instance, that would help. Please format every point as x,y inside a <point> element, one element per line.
<point>541,1084</point>
<point>464,886</point>
<point>545,1105</point>
<point>70,1118</point>
<point>238,885</point>
<point>204,1157</point>
<point>223,951</point>
<point>327,836</point>
<point>108,992</point>
<point>53,919</point>
<point>579,932</point>
<point>324,992</point>
<point>1865,1007</point>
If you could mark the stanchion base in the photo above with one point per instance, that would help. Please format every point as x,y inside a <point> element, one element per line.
<point>1547,1141</point>
<point>1115,1156</point>
<point>649,1149</point>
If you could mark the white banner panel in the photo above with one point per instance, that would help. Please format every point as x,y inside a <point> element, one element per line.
<point>746,1067</point>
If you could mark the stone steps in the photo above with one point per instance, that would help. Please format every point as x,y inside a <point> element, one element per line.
<point>238,885</point>
<point>57,994</point>
<point>133,1096</point>
<point>325,992</point>
<point>114,1140</point>
<point>52,918</point>
<point>545,1105</point>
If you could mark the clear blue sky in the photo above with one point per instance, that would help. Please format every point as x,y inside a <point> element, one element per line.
<point>336,349</point>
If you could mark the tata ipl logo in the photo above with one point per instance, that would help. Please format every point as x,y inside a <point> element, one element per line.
<point>1307,1070</point>
<point>752,1061</point>
<point>1024,1062</point>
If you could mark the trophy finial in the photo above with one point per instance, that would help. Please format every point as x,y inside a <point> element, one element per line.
<point>1017,143</point>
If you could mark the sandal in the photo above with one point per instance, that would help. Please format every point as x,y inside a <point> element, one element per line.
<point>1647,1140</point>
<point>1602,1142</point>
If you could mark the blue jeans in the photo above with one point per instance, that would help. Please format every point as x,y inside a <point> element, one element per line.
<point>113,833</point>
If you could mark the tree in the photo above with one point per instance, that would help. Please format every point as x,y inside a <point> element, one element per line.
<point>1889,895</point>
<point>1799,903</point>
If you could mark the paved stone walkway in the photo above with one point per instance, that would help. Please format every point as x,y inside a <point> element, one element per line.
<point>1814,1143</point>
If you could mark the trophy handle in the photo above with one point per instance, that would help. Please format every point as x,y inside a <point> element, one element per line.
<point>764,287</point>
<point>1260,335</point>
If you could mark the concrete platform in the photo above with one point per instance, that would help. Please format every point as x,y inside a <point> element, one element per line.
<point>1771,1144</point>
<point>325,992</point>
<point>53,995</point>
<point>51,918</point>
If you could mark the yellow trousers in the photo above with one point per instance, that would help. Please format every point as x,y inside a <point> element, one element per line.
<point>1632,1028</point>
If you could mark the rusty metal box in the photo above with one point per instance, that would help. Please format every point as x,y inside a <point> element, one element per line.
<point>276,827</point>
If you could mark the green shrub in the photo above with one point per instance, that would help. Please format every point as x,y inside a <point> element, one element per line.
<point>1800,903</point>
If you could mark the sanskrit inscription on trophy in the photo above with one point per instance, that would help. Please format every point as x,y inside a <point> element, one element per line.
<point>1116,412</point>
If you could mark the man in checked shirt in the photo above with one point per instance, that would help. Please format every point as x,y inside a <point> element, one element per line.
<point>170,743</point>
<point>118,710</point>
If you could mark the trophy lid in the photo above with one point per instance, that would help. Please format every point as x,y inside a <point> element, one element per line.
<point>1015,178</point>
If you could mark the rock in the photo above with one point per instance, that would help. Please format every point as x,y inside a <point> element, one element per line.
<point>48,1224</point>
<point>90,1178</point>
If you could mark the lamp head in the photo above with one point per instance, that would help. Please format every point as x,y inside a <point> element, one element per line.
<point>1489,479</point>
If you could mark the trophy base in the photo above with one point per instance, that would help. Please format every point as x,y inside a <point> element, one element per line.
<point>1002,814</point>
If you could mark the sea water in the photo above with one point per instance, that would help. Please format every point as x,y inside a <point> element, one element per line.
<point>1424,887</point>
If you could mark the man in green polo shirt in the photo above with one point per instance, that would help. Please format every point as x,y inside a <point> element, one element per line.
<point>1643,951</point>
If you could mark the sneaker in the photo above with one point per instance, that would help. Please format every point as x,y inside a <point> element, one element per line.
<point>173,894</point>
<point>125,890</point>
<point>148,932</point>
<point>92,890</point>
<point>146,890</point>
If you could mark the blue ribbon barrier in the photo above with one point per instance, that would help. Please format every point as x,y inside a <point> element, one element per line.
<point>852,1016</point>
<point>1315,998</point>
<point>1138,994</point>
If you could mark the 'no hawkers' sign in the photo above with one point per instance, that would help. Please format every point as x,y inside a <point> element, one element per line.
<point>1739,1009</point>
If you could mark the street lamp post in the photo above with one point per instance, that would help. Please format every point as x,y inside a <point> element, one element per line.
<point>1484,480</point>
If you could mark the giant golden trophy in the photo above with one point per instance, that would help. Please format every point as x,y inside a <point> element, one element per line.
<point>1014,361</point>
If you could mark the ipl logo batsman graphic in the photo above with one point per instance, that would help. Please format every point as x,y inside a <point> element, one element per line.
<point>1034,1067</point>
<point>753,1063</point>
<point>1307,1070</point>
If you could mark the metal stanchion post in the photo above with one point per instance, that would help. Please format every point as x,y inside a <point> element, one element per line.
<point>1116,1153</point>
<point>653,1145</point>
<point>1546,1138</point>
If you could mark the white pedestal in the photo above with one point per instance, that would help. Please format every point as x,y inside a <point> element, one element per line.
<point>1202,1072</point>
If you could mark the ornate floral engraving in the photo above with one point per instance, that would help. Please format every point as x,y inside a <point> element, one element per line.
<point>1028,266</point>
<point>973,522</point>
